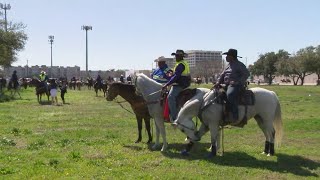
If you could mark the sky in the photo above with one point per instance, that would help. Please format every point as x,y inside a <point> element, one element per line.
<point>131,34</point>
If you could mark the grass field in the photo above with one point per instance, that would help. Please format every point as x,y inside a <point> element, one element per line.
<point>90,138</point>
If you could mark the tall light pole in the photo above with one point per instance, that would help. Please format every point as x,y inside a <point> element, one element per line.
<point>86,28</point>
<point>5,7</point>
<point>51,38</point>
<point>27,68</point>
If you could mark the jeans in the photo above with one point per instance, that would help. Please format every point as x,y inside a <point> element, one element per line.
<point>232,96</point>
<point>174,92</point>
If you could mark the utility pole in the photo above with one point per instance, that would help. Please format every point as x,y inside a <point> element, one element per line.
<point>86,28</point>
<point>27,68</point>
<point>5,7</point>
<point>51,38</point>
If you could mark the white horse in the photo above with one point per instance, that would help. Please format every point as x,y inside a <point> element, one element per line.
<point>266,111</point>
<point>151,92</point>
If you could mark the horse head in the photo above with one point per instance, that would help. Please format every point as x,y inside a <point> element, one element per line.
<point>189,110</point>
<point>113,91</point>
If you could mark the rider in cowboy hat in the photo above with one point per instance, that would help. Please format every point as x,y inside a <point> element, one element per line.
<point>180,80</point>
<point>44,78</point>
<point>234,77</point>
<point>163,73</point>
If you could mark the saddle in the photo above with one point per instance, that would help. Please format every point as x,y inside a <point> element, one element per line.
<point>185,95</point>
<point>181,99</point>
<point>246,98</point>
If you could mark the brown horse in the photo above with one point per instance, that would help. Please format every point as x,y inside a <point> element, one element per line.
<point>40,89</point>
<point>138,105</point>
<point>103,87</point>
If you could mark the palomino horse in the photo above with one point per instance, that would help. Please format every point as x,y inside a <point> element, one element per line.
<point>266,111</point>
<point>138,105</point>
<point>40,89</point>
<point>103,87</point>
<point>151,92</point>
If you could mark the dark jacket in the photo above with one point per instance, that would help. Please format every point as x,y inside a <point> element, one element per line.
<point>236,71</point>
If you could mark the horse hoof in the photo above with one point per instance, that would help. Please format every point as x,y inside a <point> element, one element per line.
<point>184,152</point>
<point>210,155</point>
<point>263,152</point>
<point>154,147</point>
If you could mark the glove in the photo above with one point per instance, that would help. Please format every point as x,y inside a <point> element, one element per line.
<point>164,88</point>
<point>217,85</point>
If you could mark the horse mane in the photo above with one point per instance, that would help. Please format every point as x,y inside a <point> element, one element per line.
<point>126,86</point>
<point>148,79</point>
<point>147,86</point>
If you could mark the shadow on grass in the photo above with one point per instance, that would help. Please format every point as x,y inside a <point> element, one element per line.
<point>297,165</point>
<point>136,148</point>
<point>45,102</point>
<point>7,98</point>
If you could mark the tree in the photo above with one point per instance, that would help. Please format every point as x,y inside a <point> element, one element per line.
<point>206,69</point>
<point>11,42</point>
<point>316,63</point>
<point>266,64</point>
<point>299,65</point>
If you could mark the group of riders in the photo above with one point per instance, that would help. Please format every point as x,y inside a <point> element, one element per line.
<point>233,78</point>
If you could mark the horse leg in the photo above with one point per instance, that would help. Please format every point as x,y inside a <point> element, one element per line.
<point>214,131</point>
<point>156,144</point>
<point>268,131</point>
<point>139,121</point>
<point>160,123</point>
<point>147,124</point>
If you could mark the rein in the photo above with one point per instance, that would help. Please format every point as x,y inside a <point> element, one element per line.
<point>185,126</point>
<point>120,103</point>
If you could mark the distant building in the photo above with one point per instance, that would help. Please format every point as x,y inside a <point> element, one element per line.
<point>34,71</point>
<point>196,56</point>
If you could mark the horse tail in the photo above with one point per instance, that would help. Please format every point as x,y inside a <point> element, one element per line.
<point>278,125</point>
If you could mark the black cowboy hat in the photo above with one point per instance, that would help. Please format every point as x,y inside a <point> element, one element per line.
<point>232,52</point>
<point>179,52</point>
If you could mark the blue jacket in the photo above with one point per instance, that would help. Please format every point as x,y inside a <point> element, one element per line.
<point>160,74</point>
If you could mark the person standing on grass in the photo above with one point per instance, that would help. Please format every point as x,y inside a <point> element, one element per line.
<point>53,91</point>
<point>63,89</point>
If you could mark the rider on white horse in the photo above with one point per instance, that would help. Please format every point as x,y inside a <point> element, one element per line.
<point>234,77</point>
<point>180,80</point>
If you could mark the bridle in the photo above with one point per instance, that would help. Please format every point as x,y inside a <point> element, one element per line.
<point>185,127</point>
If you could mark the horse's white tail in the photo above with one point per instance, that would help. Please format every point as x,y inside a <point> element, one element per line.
<point>278,125</point>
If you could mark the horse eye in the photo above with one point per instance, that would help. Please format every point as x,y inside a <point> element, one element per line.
<point>182,130</point>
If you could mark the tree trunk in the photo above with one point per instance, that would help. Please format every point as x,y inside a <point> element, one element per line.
<point>318,80</point>
<point>302,80</point>
<point>295,81</point>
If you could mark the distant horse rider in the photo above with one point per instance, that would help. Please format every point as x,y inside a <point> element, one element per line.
<point>44,79</point>
<point>129,79</point>
<point>121,78</point>
<point>234,77</point>
<point>99,81</point>
<point>163,73</point>
<point>14,80</point>
<point>14,83</point>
